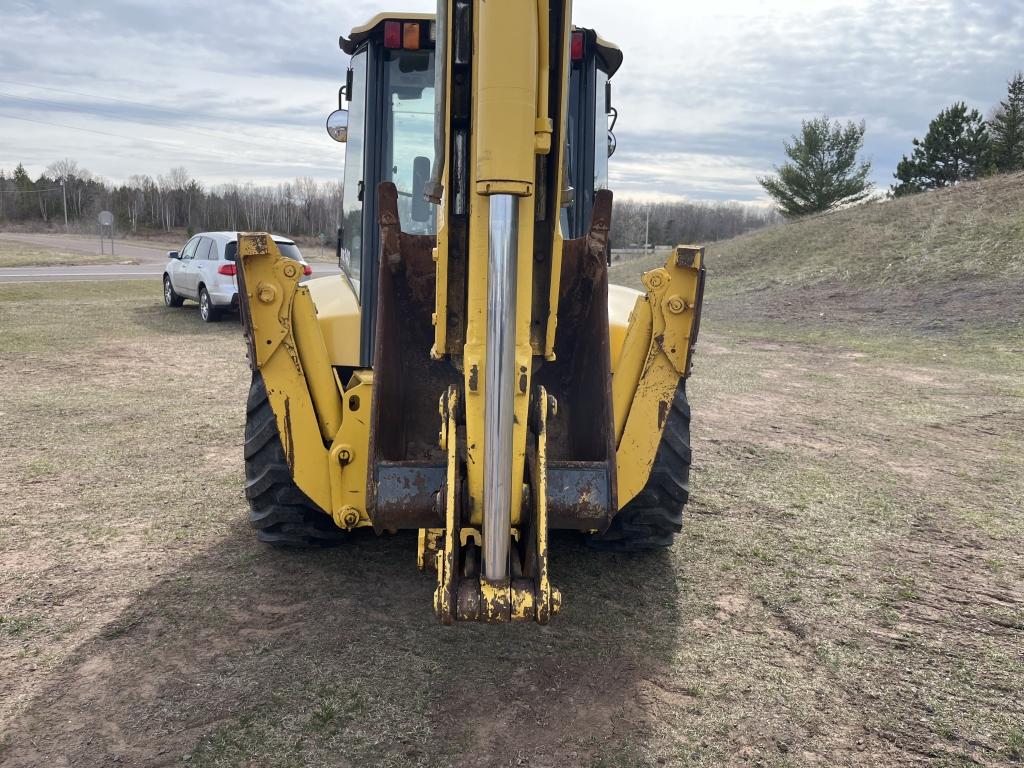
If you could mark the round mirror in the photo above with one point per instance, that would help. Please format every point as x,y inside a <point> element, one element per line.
<point>337,125</point>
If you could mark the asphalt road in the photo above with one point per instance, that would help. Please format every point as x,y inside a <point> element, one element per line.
<point>151,258</point>
<point>96,272</point>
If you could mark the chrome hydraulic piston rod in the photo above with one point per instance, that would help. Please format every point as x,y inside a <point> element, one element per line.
<point>499,383</point>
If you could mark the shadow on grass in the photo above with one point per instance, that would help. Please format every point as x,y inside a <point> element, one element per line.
<point>183,320</point>
<point>245,655</point>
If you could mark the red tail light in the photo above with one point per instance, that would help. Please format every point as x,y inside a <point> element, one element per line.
<point>227,269</point>
<point>392,34</point>
<point>307,270</point>
<point>576,49</point>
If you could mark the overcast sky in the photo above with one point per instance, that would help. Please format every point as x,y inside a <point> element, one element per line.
<point>239,90</point>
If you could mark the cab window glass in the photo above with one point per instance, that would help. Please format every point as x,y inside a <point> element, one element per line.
<point>352,190</point>
<point>600,133</point>
<point>573,152</point>
<point>410,104</point>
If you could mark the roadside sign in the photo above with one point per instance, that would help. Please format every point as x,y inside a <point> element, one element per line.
<point>106,221</point>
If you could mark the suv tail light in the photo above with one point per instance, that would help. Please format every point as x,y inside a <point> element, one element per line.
<point>307,270</point>
<point>227,269</point>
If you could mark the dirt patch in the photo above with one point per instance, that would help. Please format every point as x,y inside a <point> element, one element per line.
<point>847,591</point>
<point>942,309</point>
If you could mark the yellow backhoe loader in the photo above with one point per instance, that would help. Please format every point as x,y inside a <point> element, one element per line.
<point>471,373</point>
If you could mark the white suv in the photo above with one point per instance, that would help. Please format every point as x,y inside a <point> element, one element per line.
<point>205,271</point>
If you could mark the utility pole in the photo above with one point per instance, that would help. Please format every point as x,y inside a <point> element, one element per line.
<point>64,194</point>
<point>647,229</point>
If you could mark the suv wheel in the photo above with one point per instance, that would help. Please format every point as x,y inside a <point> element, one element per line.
<point>171,297</point>
<point>207,311</point>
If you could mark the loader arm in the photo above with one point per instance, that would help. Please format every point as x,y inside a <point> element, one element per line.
<point>479,404</point>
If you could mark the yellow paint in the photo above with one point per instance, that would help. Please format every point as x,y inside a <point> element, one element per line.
<point>621,301</point>
<point>505,96</point>
<point>350,452</point>
<point>631,362</point>
<point>654,357</point>
<point>548,599</point>
<point>559,158</point>
<point>316,365</point>
<point>429,543</point>
<point>337,310</point>
<point>447,557</point>
<point>292,356</point>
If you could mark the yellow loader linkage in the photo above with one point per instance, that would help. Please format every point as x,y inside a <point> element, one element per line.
<point>471,374</point>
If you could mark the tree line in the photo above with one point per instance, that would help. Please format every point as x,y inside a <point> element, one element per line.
<point>636,223</point>
<point>824,170</point>
<point>177,201</point>
<point>172,202</point>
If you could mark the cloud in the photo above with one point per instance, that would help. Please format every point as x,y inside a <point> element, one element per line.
<point>730,80</point>
<point>706,95</point>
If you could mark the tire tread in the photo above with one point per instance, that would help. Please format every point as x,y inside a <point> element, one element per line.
<point>281,513</point>
<point>652,518</point>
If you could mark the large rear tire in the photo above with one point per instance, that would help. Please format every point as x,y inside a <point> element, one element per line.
<point>654,516</point>
<point>281,513</point>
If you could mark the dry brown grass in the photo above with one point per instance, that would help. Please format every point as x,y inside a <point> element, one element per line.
<point>946,261</point>
<point>17,254</point>
<point>849,588</point>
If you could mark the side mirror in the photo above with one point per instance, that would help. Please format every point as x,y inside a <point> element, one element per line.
<point>337,125</point>
<point>173,255</point>
<point>420,177</point>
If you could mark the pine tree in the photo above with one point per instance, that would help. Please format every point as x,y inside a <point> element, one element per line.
<point>956,148</point>
<point>1007,128</point>
<point>24,205</point>
<point>824,172</point>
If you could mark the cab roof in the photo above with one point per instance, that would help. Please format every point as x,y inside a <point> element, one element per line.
<point>609,52</point>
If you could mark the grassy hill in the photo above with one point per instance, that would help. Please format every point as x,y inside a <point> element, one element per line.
<point>935,261</point>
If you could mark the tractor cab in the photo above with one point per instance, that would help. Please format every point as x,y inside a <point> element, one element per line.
<point>388,130</point>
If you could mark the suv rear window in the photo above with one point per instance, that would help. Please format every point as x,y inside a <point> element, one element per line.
<point>291,250</point>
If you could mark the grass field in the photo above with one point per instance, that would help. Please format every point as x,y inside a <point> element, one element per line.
<point>16,254</point>
<point>849,588</point>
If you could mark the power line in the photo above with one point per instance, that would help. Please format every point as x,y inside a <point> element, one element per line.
<point>88,95</point>
<point>26,191</point>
